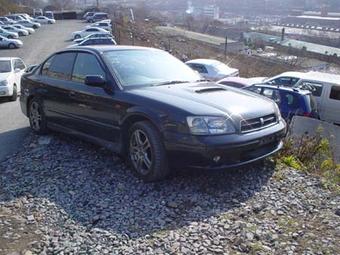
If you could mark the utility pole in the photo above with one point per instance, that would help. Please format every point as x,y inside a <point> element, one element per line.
<point>97,3</point>
<point>226,47</point>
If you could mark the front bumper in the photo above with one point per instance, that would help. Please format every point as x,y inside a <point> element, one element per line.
<point>4,91</point>
<point>225,151</point>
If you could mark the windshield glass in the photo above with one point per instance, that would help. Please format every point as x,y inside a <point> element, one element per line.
<point>148,67</point>
<point>5,66</point>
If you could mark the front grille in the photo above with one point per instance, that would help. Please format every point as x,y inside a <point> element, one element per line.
<point>257,123</point>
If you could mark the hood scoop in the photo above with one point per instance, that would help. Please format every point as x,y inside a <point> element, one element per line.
<point>209,89</point>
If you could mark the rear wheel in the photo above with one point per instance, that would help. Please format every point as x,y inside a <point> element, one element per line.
<point>11,46</point>
<point>37,117</point>
<point>146,152</point>
<point>21,33</point>
<point>10,36</point>
<point>15,93</point>
<point>77,37</point>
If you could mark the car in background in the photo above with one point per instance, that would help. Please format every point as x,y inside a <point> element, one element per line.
<point>211,69</point>
<point>11,70</point>
<point>10,43</point>
<point>153,109</point>
<point>238,82</point>
<point>15,17</point>
<point>49,14</point>
<point>7,21</point>
<point>37,12</point>
<point>31,24</point>
<point>291,101</point>
<point>28,29</point>
<point>96,41</point>
<point>95,35</point>
<point>24,15</point>
<point>88,31</point>
<point>8,34</point>
<point>98,16</point>
<point>21,32</point>
<point>44,20</point>
<point>104,25</point>
<point>87,14</point>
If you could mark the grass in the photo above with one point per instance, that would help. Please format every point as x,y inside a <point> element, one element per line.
<point>312,154</point>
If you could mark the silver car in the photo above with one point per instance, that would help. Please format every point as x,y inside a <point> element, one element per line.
<point>10,43</point>
<point>31,24</point>
<point>28,29</point>
<point>8,34</point>
<point>21,32</point>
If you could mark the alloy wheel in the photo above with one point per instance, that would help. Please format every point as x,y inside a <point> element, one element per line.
<point>35,116</point>
<point>140,152</point>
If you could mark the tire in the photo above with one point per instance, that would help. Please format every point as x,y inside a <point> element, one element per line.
<point>15,93</point>
<point>37,117</point>
<point>77,37</point>
<point>35,26</point>
<point>146,152</point>
<point>10,36</point>
<point>11,46</point>
<point>21,34</point>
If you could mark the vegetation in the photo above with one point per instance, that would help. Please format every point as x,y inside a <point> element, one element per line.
<point>312,154</point>
<point>7,6</point>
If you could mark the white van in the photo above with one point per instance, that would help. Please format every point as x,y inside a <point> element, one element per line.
<point>325,88</point>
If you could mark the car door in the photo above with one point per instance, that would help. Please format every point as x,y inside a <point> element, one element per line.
<point>331,105</point>
<point>19,69</point>
<point>55,77</point>
<point>95,109</point>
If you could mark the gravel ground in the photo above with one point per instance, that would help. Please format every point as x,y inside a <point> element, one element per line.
<point>59,195</point>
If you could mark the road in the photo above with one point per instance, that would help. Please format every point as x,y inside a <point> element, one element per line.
<point>45,41</point>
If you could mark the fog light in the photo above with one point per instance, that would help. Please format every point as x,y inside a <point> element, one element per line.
<point>217,158</point>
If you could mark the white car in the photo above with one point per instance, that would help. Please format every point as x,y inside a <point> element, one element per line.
<point>94,35</point>
<point>8,34</point>
<point>88,31</point>
<point>44,20</point>
<point>7,21</point>
<point>211,69</point>
<point>31,24</point>
<point>104,25</point>
<point>10,43</point>
<point>21,32</point>
<point>28,29</point>
<point>11,70</point>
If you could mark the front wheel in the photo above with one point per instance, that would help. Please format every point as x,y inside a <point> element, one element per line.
<point>146,152</point>
<point>77,37</point>
<point>10,37</point>
<point>37,117</point>
<point>11,46</point>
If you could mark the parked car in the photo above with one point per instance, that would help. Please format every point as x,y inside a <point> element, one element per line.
<point>87,14</point>
<point>213,70</point>
<point>95,35</point>
<point>291,101</point>
<point>24,15</point>
<point>323,86</point>
<point>1,23</point>
<point>8,34</point>
<point>7,21</point>
<point>10,28</point>
<point>28,29</point>
<point>98,16</point>
<point>31,24</point>
<point>96,41</point>
<point>37,12</point>
<point>238,82</point>
<point>15,17</point>
<point>145,104</point>
<point>104,25</point>
<point>10,43</point>
<point>88,31</point>
<point>11,70</point>
<point>44,20</point>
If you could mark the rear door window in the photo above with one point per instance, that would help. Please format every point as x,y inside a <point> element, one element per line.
<point>335,93</point>
<point>59,66</point>
<point>86,64</point>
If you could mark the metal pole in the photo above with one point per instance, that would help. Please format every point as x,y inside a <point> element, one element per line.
<point>225,47</point>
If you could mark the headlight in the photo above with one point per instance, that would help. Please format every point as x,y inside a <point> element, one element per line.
<point>205,125</point>
<point>277,111</point>
<point>3,83</point>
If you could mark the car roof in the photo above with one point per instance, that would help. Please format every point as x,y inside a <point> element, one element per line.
<point>7,58</point>
<point>312,75</point>
<point>282,88</point>
<point>104,48</point>
<point>203,61</point>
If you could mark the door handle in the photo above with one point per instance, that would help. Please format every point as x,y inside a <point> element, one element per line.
<point>72,94</point>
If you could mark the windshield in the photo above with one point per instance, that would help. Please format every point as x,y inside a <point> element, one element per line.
<point>148,68</point>
<point>5,66</point>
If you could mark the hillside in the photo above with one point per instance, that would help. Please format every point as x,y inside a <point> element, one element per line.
<point>6,6</point>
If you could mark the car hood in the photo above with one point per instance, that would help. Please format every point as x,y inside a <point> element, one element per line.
<point>209,99</point>
<point>4,76</point>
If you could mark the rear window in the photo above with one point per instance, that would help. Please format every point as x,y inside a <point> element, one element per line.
<point>335,93</point>
<point>315,88</point>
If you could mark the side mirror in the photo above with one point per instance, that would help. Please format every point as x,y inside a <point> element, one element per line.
<point>17,70</point>
<point>30,68</point>
<point>95,80</point>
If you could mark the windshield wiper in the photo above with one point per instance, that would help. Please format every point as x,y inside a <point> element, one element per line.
<point>169,83</point>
